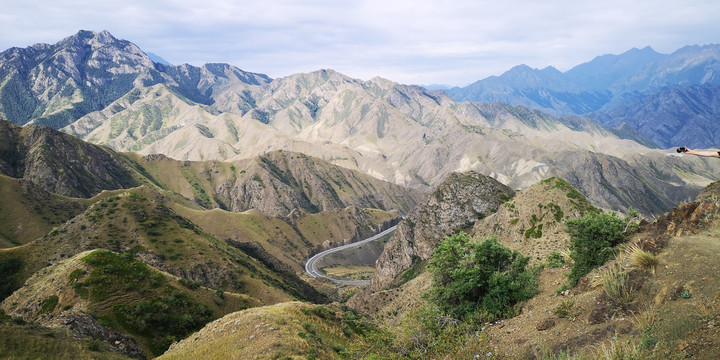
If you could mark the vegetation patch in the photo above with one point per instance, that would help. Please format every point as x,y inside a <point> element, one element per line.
<point>555,260</point>
<point>8,269</point>
<point>479,279</point>
<point>112,272</point>
<point>641,258</point>
<point>48,305</point>
<point>19,341</point>
<point>163,320</point>
<point>349,272</point>
<point>425,333</point>
<point>592,241</point>
<point>417,266</point>
<point>577,199</point>
<point>616,284</point>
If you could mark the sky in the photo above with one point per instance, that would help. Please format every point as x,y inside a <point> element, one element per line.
<point>450,42</point>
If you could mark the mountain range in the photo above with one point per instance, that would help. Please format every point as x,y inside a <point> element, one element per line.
<point>150,209</point>
<point>107,91</point>
<point>670,99</point>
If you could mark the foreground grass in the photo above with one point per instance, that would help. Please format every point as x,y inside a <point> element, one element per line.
<point>284,331</point>
<point>20,341</point>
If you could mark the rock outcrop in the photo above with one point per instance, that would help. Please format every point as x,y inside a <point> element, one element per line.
<point>460,201</point>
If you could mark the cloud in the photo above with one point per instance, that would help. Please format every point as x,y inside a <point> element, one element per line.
<point>421,41</point>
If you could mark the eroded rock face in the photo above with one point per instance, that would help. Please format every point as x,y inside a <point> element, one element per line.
<point>59,163</point>
<point>460,201</point>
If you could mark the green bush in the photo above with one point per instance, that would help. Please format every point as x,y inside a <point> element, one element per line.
<point>49,304</point>
<point>555,260</point>
<point>94,344</point>
<point>8,268</point>
<point>592,238</point>
<point>112,272</point>
<point>472,277</point>
<point>163,320</point>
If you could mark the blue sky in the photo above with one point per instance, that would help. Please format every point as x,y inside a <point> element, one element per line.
<point>412,42</point>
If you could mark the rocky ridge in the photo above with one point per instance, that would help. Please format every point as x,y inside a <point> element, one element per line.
<point>57,84</point>
<point>60,163</point>
<point>533,222</point>
<point>277,183</point>
<point>460,201</point>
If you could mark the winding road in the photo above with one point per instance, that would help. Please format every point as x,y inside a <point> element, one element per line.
<point>310,264</point>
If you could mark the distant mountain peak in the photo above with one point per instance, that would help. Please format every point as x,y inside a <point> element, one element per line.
<point>646,49</point>
<point>520,68</point>
<point>97,39</point>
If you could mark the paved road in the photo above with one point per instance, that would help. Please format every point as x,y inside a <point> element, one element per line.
<point>312,270</point>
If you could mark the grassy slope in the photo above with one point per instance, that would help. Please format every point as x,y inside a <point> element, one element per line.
<point>289,244</point>
<point>100,282</point>
<point>289,330</point>
<point>656,319</point>
<point>33,342</point>
<point>167,241</point>
<point>29,213</point>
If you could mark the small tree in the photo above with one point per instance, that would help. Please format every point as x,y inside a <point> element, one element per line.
<point>592,238</point>
<point>472,276</point>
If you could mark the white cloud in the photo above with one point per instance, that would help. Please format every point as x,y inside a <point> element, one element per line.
<point>421,41</point>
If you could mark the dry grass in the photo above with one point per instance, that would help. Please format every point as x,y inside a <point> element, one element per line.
<point>40,342</point>
<point>565,252</point>
<point>617,350</point>
<point>614,281</point>
<point>641,258</point>
<point>708,309</point>
<point>645,320</point>
<point>289,330</point>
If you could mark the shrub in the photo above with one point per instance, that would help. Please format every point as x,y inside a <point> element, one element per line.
<point>49,304</point>
<point>425,333</point>
<point>94,344</point>
<point>471,277</point>
<point>219,297</point>
<point>592,238</point>
<point>555,260</point>
<point>163,320</point>
<point>566,309</point>
<point>110,273</point>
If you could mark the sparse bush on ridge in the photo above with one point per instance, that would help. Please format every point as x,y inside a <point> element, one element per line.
<point>592,241</point>
<point>163,320</point>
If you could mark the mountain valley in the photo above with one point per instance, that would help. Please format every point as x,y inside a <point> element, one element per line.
<point>157,210</point>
